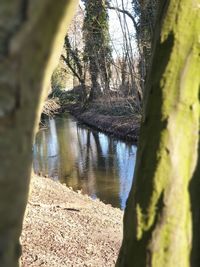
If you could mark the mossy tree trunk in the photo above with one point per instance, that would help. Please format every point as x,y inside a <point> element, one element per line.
<point>157,221</point>
<point>97,46</point>
<point>32,34</point>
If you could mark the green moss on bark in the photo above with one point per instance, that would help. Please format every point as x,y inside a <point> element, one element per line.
<point>157,222</point>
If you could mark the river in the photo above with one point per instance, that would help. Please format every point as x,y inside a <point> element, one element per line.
<point>85,159</point>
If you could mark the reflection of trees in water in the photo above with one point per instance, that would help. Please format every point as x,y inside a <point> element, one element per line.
<point>44,161</point>
<point>107,180</point>
<point>67,153</point>
<point>53,149</point>
<point>126,163</point>
<point>88,149</point>
<point>100,159</point>
<point>86,160</point>
<point>39,152</point>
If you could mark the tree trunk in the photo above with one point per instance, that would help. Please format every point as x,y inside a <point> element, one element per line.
<point>195,208</point>
<point>157,221</point>
<point>32,34</point>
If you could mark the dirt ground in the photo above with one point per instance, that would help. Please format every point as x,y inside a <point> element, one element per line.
<point>65,228</point>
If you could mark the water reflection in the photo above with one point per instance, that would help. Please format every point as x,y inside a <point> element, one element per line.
<point>84,159</point>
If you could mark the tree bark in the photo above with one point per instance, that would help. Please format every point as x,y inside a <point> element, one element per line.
<point>32,34</point>
<point>157,221</point>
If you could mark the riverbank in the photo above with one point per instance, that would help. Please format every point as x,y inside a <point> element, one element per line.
<point>64,228</point>
<point>122,127</point>
<point>113,116</point>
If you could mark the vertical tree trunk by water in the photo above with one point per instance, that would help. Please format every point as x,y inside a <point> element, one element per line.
<point>97,46</point>
<point>157,221</point>
<point>31,34</point>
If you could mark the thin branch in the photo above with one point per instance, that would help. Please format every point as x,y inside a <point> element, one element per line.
<point>126,13</point>
<point>71,68</point>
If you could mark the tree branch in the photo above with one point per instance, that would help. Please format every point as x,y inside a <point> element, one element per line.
<point>126,13</point>
<point>71,68</point>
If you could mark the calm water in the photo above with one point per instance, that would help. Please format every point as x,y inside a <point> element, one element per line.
<point>85,159</point>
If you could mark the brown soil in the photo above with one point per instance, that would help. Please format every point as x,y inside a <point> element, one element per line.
<point>65,228</point>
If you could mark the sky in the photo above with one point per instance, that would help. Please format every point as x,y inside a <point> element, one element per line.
<point>115,27</point>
